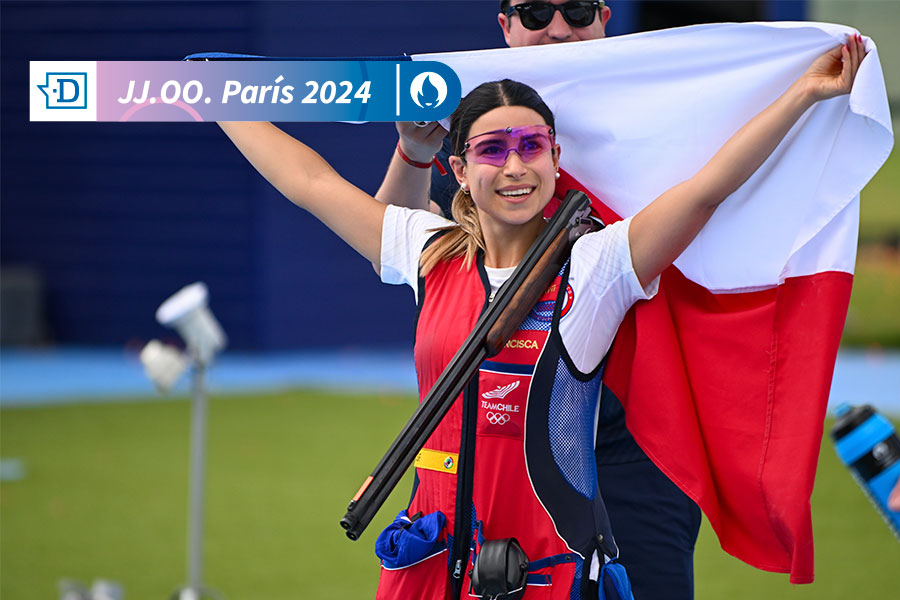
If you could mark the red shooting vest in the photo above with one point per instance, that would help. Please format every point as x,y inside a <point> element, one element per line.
<point>531,465</point>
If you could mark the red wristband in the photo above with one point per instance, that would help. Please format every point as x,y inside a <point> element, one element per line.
<point>420,165</point>
<point>411,162</point>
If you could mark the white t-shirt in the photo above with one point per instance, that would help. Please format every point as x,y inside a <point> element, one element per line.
<point>601,275</point>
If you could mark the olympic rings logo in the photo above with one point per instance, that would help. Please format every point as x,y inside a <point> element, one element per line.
<point>497,418</point>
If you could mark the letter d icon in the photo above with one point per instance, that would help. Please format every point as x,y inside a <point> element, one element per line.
<point>62,90</point>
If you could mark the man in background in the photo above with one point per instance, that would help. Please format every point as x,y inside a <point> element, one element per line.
<point>654,522</point>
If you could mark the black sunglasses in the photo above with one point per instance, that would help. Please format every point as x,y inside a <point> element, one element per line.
<point>537,15</point>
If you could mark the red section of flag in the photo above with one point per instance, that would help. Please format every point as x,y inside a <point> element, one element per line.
<point>727,393</point>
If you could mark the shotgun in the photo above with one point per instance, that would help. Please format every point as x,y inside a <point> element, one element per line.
<point>510,306</point>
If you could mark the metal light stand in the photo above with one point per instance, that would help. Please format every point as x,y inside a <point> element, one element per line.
<point>188,313</point>
<point>197,488</point>
<point>194,589</point>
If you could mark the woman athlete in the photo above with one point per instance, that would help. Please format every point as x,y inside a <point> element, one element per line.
<point>514,457</point>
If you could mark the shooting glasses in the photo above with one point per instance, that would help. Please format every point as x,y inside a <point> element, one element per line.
<point>493,147</point>
<point>537,15</point>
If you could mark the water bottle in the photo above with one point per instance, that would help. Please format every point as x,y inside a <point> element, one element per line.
<point>867,443</point>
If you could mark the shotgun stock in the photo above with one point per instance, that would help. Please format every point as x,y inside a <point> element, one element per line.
<point>529,292</point>
<point>511,305</point>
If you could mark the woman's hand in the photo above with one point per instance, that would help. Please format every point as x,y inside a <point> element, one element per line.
<point>832,74</point>
<point>421,143</point>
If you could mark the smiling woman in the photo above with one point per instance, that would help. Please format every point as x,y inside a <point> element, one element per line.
<point>506,176</point>
<point>534,497</point>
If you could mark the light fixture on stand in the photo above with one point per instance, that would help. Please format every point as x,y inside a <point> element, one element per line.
<point>187,311</point>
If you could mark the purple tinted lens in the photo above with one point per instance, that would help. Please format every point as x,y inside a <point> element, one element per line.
<point>493,148</point>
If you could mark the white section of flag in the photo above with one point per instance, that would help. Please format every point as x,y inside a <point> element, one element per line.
<point>637,114</point>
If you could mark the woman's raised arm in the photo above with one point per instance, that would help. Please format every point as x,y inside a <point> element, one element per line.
<point>308,181</point>
<point>662,230</point>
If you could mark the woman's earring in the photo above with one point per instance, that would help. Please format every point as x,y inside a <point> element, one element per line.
<point>464,188</point>
<point>557,174</point>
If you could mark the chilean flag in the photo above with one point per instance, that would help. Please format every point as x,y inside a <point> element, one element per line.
<point>725,373</point>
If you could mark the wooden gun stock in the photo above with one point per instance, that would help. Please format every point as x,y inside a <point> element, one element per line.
<point>529,293</point>
<point>511,305</point>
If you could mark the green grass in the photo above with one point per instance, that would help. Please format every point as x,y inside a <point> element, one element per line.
<point>873,318</point>
<point>105,496</point>
<point>879,210</point>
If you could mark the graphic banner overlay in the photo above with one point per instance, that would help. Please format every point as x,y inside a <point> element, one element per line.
<point>247,90</point>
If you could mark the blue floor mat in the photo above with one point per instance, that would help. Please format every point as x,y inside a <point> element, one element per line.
<point>70,375</point>
<point>65,375</point>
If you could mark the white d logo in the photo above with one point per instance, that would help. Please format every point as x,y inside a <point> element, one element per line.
<point>428,90</point>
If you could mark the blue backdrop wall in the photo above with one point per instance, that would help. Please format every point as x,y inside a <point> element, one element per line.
<point>116,217</point>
